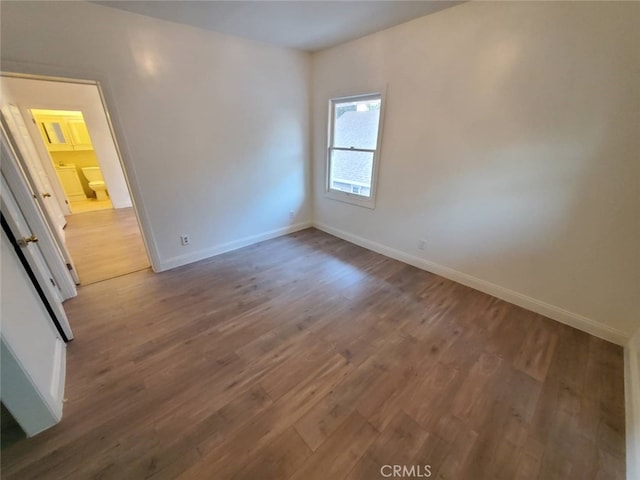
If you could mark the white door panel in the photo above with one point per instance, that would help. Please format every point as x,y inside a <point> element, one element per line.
<point>46,161</point>
<point>30,247</point>
<point>32,349</point>
<point>34,173</point>
<point>17,185</point>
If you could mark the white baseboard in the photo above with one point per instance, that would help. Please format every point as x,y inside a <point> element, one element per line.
<point>575,320</point>
<point>191,257</point>
<point>632,394</point>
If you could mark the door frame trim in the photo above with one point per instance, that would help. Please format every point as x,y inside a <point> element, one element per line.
<point>100,80</point>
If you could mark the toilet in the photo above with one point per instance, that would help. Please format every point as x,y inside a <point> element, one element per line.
<point>96,182</point>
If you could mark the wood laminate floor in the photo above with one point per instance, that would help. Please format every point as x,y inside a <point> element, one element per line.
<point>306,357</point>
<point>90,205</point>
<point>10,431</point>
<point>105,244</point>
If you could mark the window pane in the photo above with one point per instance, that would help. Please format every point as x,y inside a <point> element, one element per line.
<point>355,124</point>
<point>351,172</point>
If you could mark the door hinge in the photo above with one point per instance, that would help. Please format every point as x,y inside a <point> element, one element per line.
<point>69,267</point>
<point>52,282</point>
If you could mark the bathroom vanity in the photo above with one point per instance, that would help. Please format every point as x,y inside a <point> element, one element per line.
<point>68,175</point>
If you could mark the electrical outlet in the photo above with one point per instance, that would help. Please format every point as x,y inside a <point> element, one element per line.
<point>422,244</point>
<point>291,214</point>
<point>185,240</point>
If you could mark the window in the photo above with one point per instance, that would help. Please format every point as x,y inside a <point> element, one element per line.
<point>354,139</point>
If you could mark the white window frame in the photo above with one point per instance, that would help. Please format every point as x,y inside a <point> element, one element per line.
<point>354,199</point>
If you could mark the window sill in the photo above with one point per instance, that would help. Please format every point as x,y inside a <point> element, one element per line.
<point>351,198</point>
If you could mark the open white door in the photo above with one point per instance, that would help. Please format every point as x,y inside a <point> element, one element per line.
<point>28,219</point>
<point>33,248</point>
<point>36,173</point>
<point>31,253</point>
<point>46,162</point>
<point>33,355</point>
<point>34,239</point>
<point>19,139</point>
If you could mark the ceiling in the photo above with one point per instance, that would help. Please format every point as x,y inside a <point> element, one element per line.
<point>305,25</point>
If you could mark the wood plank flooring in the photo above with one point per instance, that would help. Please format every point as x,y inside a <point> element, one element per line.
<point>10,431</point>
<point>105,244</point>
<point>90,205</point>
<point>306,357</point>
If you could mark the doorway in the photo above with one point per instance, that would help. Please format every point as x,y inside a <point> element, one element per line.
<point>69,146</point>
<point>74,162</point>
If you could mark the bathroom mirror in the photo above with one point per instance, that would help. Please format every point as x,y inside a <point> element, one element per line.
<point>54,132</point>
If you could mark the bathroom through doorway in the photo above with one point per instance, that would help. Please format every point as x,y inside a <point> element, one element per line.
<point>67,129</point>
<point>69,146</point>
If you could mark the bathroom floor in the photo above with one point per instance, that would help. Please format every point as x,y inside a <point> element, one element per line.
<point>89,205</point>
<point>105,244</point>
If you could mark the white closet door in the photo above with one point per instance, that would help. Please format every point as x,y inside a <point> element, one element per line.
<point>36,180</point>
<point>30,247</point>
<point>36,172</point>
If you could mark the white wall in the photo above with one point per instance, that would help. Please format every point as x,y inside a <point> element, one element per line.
<point>28,94</point>
<point>511,145</point>
<point>213,128</point>
<point>33,354</point>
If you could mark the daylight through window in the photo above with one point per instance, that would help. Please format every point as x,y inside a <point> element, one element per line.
<point>353,145</point>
